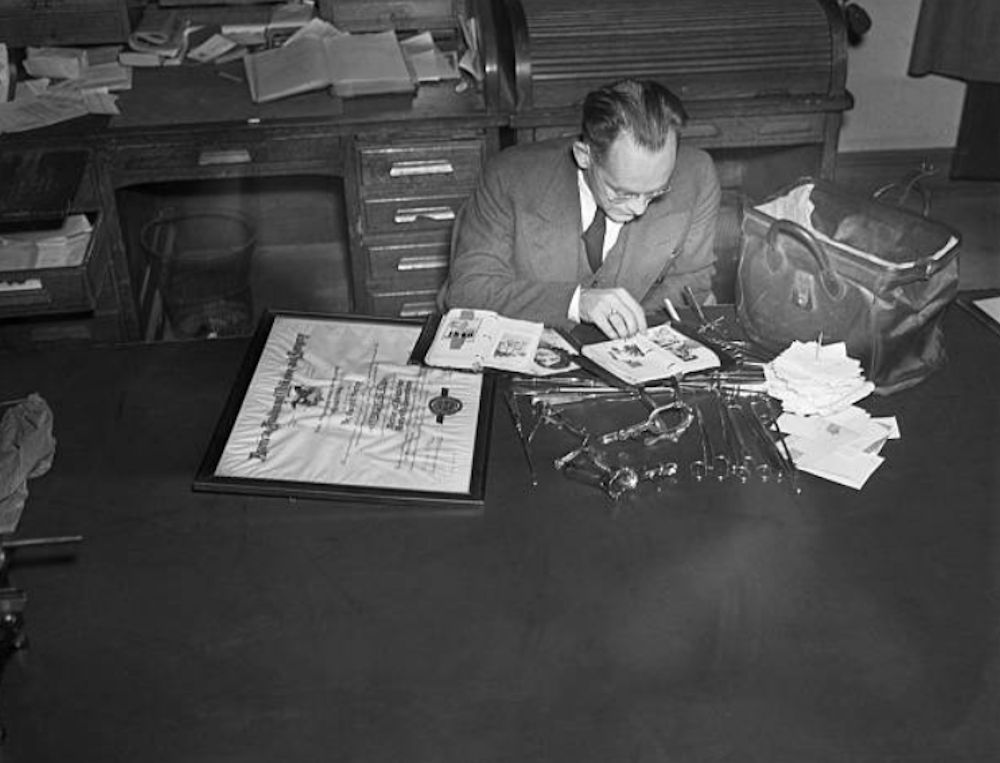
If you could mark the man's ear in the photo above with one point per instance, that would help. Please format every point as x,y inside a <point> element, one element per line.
<point>581,153</point>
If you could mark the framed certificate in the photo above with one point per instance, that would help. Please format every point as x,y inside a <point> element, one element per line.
<point>328,407</point>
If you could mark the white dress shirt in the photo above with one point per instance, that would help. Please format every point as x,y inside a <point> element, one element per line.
<point>588,208</point>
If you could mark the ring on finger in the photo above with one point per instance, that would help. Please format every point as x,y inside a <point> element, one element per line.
<point>613,313</point>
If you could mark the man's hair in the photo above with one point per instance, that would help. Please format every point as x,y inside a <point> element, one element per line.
<point>644,109</point>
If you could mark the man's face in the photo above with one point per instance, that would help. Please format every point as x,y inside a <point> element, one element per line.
<point>629,178</point>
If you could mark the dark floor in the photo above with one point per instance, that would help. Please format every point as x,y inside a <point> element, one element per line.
<point>973,208</point>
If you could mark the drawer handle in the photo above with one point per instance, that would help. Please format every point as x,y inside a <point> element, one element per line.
<point>416,309</point>
<point>421,263</point>
<point>421,167</point>
<point>227,156</point>
<point>412,214</point>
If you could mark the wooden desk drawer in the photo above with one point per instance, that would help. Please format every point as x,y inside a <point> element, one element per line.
<point>448,162</point>
<point>54,290</point>
<point>412,212</point>
<point>404,304</point>
<point>245,152</point>
<point>102,325</point>
<point>421,258</point>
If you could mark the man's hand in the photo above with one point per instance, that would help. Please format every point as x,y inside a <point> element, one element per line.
<point>613,311</point>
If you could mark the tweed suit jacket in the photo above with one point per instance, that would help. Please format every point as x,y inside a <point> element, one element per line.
<point>517,246</point>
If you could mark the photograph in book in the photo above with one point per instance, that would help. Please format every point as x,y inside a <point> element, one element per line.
<point>658,353</point>
<point>476,339</point>
<point>335,402</point>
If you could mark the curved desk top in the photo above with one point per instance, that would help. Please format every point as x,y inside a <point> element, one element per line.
<point>699,624</point>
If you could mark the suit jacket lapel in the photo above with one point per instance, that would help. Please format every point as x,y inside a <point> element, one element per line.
<point>647,246</point>
<point>555,224</point>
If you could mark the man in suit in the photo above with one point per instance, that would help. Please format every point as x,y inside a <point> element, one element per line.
<point>647,204</point>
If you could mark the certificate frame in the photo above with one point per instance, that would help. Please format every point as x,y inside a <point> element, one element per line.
<point>243,404</point>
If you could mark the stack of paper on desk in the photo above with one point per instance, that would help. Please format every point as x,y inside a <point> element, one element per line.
<point>842,447</point>
<point>62,247</point>
<point>813,379</point>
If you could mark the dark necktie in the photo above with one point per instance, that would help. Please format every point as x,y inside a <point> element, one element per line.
<point>593,240</point>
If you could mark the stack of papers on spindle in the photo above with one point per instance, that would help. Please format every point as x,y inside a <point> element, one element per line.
<point>842,447</point>
<point>813,379</point>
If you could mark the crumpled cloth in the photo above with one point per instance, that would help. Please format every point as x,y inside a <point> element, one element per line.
<point>27,448</point>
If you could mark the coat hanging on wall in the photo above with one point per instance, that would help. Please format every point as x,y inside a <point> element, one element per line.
<point>957,38</point>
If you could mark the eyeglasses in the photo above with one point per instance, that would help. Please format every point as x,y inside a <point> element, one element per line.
<point>616,196</point>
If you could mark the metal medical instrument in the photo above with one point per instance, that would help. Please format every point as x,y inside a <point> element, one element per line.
<point>700,468</point>
<point>655,427</point>
<point>762,410</point>
<point>741,461</point>
<point>515,414</point>
<point>747,434</point>
<point>767,447</point>
<point>721,463</point>
<point>741,351</point>
<point>741,429</point>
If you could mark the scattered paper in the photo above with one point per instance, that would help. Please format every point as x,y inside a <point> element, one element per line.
<point>32,112</point>
<point>107,77</point>
<point>843,447</point>
<point>211,49</point>
<point>850,469</point>
<point>315,27</point>
<point>429,63</point>
<point>990,306</point>
<point>65,246</point>
<point>56,63</point>
<point>471,61</point>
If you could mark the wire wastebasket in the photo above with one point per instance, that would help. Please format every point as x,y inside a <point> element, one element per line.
<point>201,263</point>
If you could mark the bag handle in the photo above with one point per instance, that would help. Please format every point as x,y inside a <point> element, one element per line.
<point>828,276</point>
<point>906,185</point>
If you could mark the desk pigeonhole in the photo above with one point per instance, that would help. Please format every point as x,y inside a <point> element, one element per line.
<point>50,260</point>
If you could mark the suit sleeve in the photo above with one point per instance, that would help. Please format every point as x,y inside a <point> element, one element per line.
<point>487,271</point>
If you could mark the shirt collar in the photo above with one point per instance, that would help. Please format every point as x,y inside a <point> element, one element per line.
<point>588,208</point>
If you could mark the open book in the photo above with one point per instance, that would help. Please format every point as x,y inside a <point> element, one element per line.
<point>477,339</point>
<point>349,64</point>
<point>660,352</point>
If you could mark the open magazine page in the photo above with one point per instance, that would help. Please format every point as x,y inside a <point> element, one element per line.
<point>514,344</point>
<point>338,403</point>
<point>658,353</point>
<point>477,339</point>
<point>462,340</point>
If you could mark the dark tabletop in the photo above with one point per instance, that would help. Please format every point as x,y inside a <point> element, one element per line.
<point>693,623</point>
